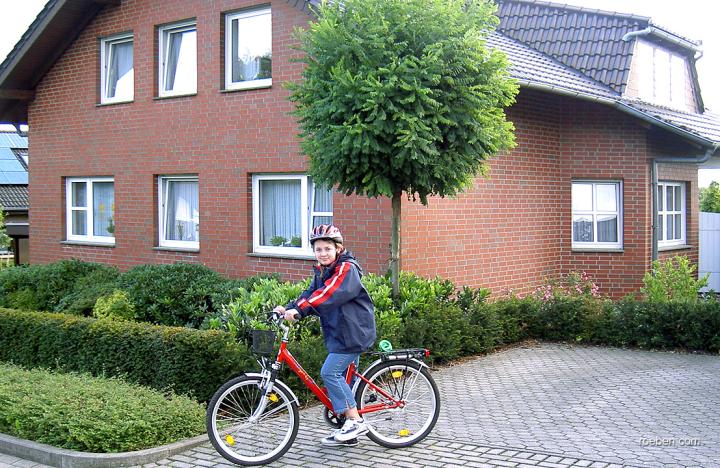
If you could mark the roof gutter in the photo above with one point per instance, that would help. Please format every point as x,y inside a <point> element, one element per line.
<point>699,159</point>
<point>664,35</point>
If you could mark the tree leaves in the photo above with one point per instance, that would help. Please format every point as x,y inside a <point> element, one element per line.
<point>402,95</point>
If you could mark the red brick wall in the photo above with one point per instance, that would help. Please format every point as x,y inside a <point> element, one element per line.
<point>505,231</point>
<point>513,230</point>
<point>222,136</point>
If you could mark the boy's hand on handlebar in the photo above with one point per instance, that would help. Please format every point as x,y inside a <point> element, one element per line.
<point>292,315</point>
<point>288,314</point>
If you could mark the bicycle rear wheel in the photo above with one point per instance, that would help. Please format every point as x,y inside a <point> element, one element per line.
<point>406,381</point>
<point>244,440</point>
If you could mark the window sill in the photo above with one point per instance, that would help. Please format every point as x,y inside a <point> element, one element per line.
<point>177,249</point>
<point>674,247</point>
<point>105,104</point>
<point>173,96</point>
<point>87,243</point>
<point>597,250</point>
<point>279,255</point>
<point>246,88</point>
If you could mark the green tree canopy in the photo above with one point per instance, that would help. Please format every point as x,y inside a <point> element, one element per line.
<point>402,96</point>
<point>710,198</point>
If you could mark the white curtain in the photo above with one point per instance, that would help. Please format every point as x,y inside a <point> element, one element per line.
<point>103,206</point>
<point>181,61</point>
<point>182,211</point>
<point>120,70</point>
<point>280,212</point>
<point>252,47</point>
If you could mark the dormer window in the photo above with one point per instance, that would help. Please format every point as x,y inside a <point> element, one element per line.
<point>663,75</point>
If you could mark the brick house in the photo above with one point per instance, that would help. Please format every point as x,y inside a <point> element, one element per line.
<point>160,132</point>
<point>14,192</point>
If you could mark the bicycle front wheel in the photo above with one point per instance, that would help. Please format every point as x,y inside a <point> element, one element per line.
<point>245,439</point>
<point>396,381</point>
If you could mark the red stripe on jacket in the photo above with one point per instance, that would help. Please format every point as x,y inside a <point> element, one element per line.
<point>319,296</point>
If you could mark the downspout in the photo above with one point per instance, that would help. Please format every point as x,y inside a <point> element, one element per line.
<point>700,159</point>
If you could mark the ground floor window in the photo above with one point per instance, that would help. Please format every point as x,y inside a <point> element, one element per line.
<point>90,209</point>
<point>179,211</point>
<point>596,214</point>
<point>285,208</point>
<point>671,213</point>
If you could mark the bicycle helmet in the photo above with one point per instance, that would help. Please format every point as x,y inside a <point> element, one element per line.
<point>326,232</point>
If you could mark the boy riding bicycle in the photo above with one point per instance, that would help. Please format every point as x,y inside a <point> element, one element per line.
<point>347,317</point>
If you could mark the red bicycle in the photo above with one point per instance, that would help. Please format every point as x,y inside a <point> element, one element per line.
<point>253,419</point>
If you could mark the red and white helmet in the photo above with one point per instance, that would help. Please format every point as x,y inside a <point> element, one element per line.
<point>326,231</point>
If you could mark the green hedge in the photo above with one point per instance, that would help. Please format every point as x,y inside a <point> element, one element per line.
<point>80,412</point>
<point>187,361</point>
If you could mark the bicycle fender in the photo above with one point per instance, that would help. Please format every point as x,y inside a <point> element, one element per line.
<point>377,361</point>
<point>278,383</point>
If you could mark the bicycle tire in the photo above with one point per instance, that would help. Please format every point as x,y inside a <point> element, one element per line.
<point>251,443</point>
<point>405,380</point>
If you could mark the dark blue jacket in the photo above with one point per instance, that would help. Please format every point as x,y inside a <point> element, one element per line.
<point>346,312</point>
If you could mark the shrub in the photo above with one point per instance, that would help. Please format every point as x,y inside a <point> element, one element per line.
<point>114,306</point>
<point>672,280</point>
<point>187,361</point>
<point>177,295</point>
<point>80,412</point>
<point>87,290</point>
<point>42,287</point>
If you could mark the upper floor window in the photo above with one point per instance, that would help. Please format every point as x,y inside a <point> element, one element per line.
<point>90,209</point>
<point>179,211</point>
<point>671,213</point>
<point>178,59</point>
<point>285,209</point>
<point>248,49</point>
<point>117,73</point>
<point>596,215</point>
<point>664,75</point>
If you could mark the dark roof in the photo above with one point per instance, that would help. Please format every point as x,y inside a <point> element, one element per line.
<point>588,40</point>
<point>14,197</point>
<point>530,66</point>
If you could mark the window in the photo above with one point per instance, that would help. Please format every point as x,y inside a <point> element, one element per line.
<point>248,49</point>
<point>178,59</point>
<point>179,212</point>
<point>664,75</point>
<point>285,208</point>
<point>90,209</point>
<point>671,214</point>
<point>116,65</point>
<point>596,214</point>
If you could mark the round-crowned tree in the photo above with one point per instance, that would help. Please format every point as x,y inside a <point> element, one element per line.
<point>402,98</point>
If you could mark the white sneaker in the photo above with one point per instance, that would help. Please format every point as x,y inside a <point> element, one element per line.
<point>351,430</point>
<point>331,441</point>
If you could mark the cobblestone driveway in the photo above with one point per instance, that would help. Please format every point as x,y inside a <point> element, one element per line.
<point>544,405</point>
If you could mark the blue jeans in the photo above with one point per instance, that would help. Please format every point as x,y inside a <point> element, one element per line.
<point>333,374</point>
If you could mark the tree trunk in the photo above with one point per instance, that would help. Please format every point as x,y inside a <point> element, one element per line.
<point>395,245</point>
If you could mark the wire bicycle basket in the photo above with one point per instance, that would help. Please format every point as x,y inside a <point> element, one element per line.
<point>263,341</point>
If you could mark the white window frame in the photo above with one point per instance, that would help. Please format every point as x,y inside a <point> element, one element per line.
<point>105,46</point>
<point>229,18</point>
<point>163,49</point>
<point>163,182</point>
<point>663,213</point>
<point>595,244</point>
<point>307,203</point>
<point>90,215</point>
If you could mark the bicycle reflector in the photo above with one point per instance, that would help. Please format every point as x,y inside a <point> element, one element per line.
<point>427,353</point>
<point>229,439</point>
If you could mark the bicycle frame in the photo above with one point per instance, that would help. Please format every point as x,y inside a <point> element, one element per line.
<point>284,356</point>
